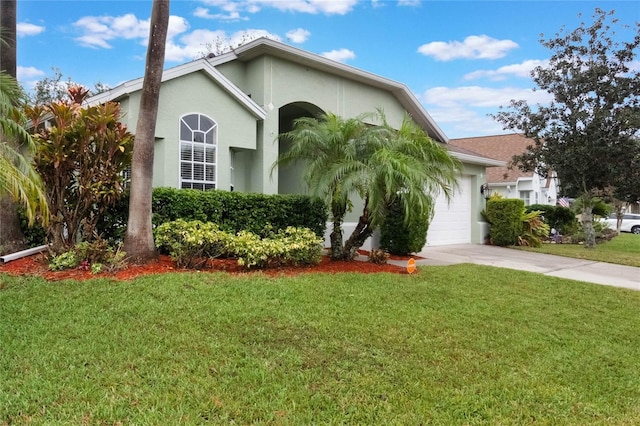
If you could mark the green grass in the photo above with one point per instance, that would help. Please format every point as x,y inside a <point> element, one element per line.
<point>623,250</point>
<point>461,344</point>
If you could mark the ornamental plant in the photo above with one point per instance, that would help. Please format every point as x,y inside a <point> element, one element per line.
<point>80,157</point>
<point>191,243</point>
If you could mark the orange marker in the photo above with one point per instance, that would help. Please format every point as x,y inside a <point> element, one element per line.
<point>411,266</point>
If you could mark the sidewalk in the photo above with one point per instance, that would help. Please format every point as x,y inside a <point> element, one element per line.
<point>556,266</point>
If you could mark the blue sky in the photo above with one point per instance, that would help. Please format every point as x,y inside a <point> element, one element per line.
<point>462,59</point>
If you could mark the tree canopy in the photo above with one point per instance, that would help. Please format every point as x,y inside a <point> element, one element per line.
<point>586,134</point>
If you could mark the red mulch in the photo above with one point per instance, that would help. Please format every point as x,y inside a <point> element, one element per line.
<point>37,266</point>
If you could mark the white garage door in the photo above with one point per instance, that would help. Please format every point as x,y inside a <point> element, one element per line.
<point>451,223</point>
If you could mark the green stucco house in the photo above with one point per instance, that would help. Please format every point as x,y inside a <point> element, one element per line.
<point>219,118</point>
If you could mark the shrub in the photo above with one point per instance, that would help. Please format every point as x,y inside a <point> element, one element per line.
<point>563,219</point>
<point>96,256</point>
<point>505,218</point>
<point>534,230</point>
<point>190,243</point>
<point>291,246</point>
<point>231,211</point>
<point>401,237</point>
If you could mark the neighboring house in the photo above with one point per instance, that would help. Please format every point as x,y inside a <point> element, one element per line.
<point>508,180</point>
<point>219,119</point>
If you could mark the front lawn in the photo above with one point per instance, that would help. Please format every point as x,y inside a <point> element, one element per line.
<point>623,250</point>
<point>462,344</point>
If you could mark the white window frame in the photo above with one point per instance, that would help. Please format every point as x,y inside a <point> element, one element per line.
<point>198,152</point>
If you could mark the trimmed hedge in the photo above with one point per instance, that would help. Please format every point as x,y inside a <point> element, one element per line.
<point>231,211</point>
<point>505,217</point>
<point>402,238</point>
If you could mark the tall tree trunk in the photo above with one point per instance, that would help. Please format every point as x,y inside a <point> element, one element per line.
<point>587,222</point>
<point>138,242</point>
<point>11,237</point>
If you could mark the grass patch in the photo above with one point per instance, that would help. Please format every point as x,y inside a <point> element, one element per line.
<point>462,344</point>
<point>623,250</point>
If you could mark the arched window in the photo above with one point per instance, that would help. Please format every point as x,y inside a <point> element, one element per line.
<point>198,152</point>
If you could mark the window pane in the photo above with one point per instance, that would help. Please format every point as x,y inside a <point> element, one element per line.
<point>186,171</point>
<point>211,155</point>
<point>209,137</point>
<point>210,173</point>
<point>192,121</point>
<point>198,137</point>
<point>208,186</point>
<point>185,185</point>
<point>185,132</point>
<point>205,123</point>
<point>185,152</point>
<point>198,153</point>
<point>198,171</point>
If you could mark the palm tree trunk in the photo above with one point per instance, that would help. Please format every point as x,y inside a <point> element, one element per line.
<point>359,235</point>
<point>11,236</point>
<point>138,242</point>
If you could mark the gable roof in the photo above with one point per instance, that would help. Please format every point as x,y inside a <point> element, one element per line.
<point>264,46</point>
<point>499,147</point>
<point>125,89</point>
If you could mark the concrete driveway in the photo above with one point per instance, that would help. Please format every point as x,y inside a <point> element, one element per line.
<point>555,266</point>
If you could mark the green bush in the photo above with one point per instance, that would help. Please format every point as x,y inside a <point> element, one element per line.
<point>191,243</point>
<point>401,237</point>
<point>505,218</point>
<point>563,219</point>
<point>534,230</point>
<point>96,256</point>
<point>231,211</point>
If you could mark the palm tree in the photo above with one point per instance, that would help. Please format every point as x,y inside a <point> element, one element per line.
<point>138,242</point>
<point>17,176</point>
<point>345,157</point>
<point>327,145</point>
<point>403,162</point>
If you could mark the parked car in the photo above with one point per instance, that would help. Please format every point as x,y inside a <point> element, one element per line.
<point>630,222</point>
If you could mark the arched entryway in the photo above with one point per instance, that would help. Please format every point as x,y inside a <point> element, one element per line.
<point>290,177</point>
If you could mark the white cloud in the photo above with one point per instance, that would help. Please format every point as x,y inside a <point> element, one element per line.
<point>477,96</point>
<point>340,55</point>
<point>25,29</point>
<point>299,35</point>
<point>198,43</point>
<point>409,2</point>
<point>463,111</point>
<point>29,76</point>
<point>473,47</point>
<point>327,7</point>
<point>518,70</point>
<point>98,31</point>
<point>26,73</point>
<point>232,15</point>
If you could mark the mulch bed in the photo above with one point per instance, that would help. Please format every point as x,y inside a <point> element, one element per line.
<point>37,266</point>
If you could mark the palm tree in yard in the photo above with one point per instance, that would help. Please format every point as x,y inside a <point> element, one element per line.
<point>18,179</point>
<point>138,242</point>
<point>327,146</point>
<point>347,157</point>
<point>402,165</point>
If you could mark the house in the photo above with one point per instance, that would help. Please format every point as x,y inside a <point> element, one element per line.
<point>219,119</point>
<point>508,180</point>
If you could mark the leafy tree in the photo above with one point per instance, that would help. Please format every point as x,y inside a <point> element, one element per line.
<point>138,240</point>
<point>346,158</point>
<point>586,134</point>
<point>54,89</point>
<point>80,158</point>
